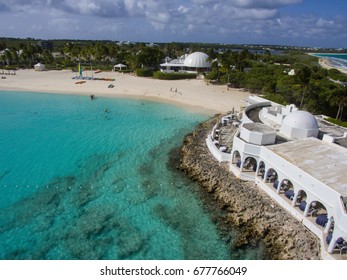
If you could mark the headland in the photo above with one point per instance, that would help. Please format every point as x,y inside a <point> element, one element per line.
<point>255,215</point>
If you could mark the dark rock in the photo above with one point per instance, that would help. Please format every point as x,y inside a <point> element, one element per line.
<point>249,210</point>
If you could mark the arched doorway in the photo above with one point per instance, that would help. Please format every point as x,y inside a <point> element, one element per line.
<point>236,159</point>
<point>261,170</point>
<point>250,164</point>
<point>318,212</point>
<point>301,200</point>
<point>287,188</point>
<point>271,177</point>
<point>339,244</point>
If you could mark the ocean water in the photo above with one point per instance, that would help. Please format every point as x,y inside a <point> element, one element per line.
<point>82,179</point>
<point>336,60</point>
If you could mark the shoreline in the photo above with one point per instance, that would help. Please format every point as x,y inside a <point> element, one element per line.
<point>256,217</point>
<point>283,237</point>
<point>325,63</point>
<point>194,95</point>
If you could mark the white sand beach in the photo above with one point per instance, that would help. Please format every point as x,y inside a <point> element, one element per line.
<point>195,94</point>
<point>324,62</point>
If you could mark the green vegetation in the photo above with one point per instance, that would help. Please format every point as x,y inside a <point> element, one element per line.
<point>173,76</point>
<point>337,122</point>
<point>144,72</point>
<point>289,77</point>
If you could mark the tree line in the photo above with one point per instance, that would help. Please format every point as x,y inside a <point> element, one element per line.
<point>287,78</point>
<point>291,78</point>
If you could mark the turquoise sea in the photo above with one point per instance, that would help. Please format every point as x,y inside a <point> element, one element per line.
<point>338,60</point>
<point>82,179</point>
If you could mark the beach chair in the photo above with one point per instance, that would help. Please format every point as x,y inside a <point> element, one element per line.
<point>223,148</point>
<point>312,212</point>
<point>322,220</point>
<point>289,194</point>
<point>275,184</point>
<point>341,246</point>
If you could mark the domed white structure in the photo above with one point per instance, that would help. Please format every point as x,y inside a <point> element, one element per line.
<point>276,148</point>
<point>197,60</point>
<point>299,125</point>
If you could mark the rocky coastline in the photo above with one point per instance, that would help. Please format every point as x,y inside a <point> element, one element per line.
<point>255,216</point>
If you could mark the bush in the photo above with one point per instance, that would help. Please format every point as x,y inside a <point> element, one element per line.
<point>173,76</point>
<point>278,98</point>
<point>144,72</point>
<point>54,67</point>
<point>213,75</point>
<point>103,67</point>
<point>124,71</point>
<point>337,122</point>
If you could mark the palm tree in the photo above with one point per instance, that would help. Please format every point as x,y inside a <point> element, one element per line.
<point>131,60</point>
<point>338,97</point>
<point>7,57</point>
<point>100,52</point>
<point>113,51</point>
<point>76,51</point>
<point>304,76</point>
<point>47,56</point>
<point>28,53</point>
<point>66,51</point>
<point>266,56</point>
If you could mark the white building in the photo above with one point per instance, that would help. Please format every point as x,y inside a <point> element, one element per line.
<point>299,125</point>
<point>293,158</point>
<point>39,67</point>
<point>119,67</point>
<point>196,62</point>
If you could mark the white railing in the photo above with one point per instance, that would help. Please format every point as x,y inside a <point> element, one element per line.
<point>245,119</point>
<point>337,211</point>
<point>218,154</point>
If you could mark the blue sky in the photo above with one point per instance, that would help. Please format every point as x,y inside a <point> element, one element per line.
<point>312,23</point>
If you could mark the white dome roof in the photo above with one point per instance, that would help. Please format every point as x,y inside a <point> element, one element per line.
<point>301,120</point>
<point>197,59</point>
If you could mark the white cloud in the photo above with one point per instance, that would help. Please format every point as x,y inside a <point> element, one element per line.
<point>322,22</point>
<point>85,7</point>
<point>254,14</point>
<point>269,4</point>
<point>141,7</point>
<point>182,9</point>
<point>252,20</point>
<point>63,22</point>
